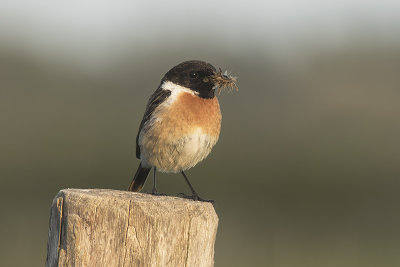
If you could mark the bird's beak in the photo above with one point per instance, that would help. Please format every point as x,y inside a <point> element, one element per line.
<point>224,81</point>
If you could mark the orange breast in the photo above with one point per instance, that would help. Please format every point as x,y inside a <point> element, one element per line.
<point>181,134</point>
<point>190,111</point>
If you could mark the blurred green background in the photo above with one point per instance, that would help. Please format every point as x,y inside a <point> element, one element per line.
<point>306,171</point>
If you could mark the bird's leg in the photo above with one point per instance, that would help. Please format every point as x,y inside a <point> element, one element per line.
<point>194,196</point>
<point>154,190</point>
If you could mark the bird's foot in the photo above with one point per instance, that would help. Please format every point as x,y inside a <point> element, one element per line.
<point>154,192</point>
<point>195,197</point>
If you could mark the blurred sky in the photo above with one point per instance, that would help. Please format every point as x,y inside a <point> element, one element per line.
<point>94,30</point>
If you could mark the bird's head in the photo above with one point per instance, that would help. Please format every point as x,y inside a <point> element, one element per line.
<point>200,77</point>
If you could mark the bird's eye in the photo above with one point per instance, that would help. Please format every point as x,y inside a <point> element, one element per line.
<point>194,74</point>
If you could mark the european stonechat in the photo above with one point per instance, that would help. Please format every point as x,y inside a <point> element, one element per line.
<point>181,123</point>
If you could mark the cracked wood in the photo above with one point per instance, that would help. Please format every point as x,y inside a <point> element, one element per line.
<point>96,227</point>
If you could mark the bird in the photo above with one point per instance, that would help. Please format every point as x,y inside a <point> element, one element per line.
<point>181,123</point>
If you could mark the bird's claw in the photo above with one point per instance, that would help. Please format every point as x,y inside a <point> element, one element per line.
<point>154,192</point>
<point>196,198</point>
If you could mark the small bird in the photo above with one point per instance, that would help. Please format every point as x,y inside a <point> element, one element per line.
<point>181,123</point>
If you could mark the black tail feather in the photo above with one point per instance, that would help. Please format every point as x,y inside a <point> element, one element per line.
<point>139,179</point>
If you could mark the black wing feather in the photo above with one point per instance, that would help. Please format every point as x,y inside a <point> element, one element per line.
<point>159,96</point>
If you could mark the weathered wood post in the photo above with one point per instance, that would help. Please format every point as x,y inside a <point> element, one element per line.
<point>97,227</point>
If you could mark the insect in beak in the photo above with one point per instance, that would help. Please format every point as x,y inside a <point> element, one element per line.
<point>224,81</point>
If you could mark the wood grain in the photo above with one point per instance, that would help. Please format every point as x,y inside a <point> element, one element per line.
<point>97,227</point>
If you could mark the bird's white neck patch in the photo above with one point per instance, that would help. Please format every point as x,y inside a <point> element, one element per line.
<point>176,89</point>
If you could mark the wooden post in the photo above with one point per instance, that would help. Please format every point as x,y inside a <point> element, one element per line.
<point>96,227</point>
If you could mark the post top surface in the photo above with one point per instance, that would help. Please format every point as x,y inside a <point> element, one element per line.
<point>134,196</point>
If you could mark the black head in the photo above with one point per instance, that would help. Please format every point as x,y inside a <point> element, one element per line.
<point>195,75</point>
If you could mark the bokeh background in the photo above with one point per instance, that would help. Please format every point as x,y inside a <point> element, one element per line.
<point>306,171</point>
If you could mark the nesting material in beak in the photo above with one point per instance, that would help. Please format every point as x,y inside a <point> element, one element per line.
<point>225,81</point>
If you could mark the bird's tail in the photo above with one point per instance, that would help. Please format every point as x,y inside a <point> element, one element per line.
<point>139,179</point>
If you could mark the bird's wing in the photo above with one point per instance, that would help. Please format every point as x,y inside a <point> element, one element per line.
<point>159,96</point>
